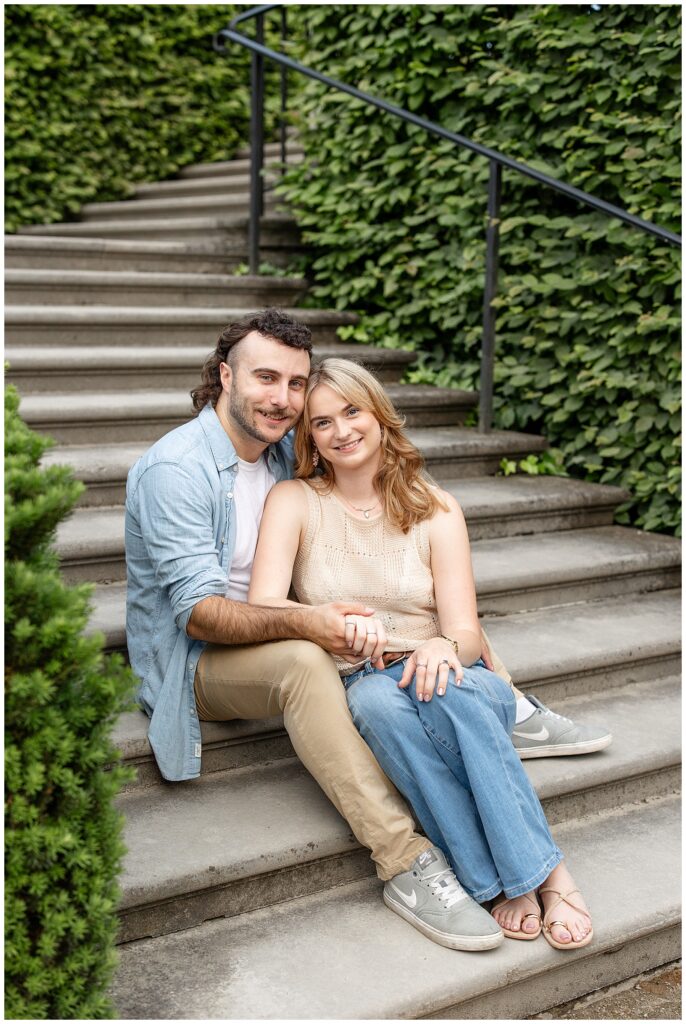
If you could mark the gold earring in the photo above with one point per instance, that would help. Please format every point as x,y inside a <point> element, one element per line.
<point>315,458</point>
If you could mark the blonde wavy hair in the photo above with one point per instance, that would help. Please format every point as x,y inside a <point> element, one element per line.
<point>407,492</point>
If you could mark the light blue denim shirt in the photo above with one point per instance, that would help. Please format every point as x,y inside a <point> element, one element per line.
<point>180,538</point>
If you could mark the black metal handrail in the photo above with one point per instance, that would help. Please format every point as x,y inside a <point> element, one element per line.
<point>496,162</point>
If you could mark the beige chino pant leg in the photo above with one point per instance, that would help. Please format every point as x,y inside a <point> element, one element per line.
<point>299,679</point>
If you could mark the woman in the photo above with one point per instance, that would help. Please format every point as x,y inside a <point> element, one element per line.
<point>370,527</point>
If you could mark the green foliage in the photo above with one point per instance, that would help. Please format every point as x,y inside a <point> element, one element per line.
<point>63,846</point>
<point>99,96</point>
<point>588,338</point>
<point>548,463</point>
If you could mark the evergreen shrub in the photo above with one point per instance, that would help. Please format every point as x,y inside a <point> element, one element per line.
<point>62,835</point>
<point>100,96</point>
<point>588,340</point>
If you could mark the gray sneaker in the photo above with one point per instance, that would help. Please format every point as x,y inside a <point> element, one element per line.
<point>545,734</point>
<point>431,898</point>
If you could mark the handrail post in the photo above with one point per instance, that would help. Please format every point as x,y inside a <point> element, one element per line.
<point>256,149</point>
<point>490,290</point>
<point>284,88</point>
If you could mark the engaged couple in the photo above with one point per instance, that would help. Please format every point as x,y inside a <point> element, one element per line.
<point>386,682</point>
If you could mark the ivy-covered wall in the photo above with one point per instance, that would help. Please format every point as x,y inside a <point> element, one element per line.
<point>588,336</point>
<point>99,96</point>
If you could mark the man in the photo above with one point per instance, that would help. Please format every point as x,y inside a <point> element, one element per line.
<point>193,507</point>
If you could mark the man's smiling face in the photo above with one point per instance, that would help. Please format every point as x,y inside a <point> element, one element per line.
<point>263,392</point>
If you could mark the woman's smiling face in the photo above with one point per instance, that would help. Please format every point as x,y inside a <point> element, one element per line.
<point>344,434</point>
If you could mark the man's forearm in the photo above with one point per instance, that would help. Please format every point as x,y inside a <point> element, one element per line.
<point>219,620</point>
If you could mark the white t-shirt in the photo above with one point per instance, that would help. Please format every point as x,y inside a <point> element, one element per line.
<point>253,483</point>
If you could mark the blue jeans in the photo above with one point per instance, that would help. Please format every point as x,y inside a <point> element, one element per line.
<point>453,760</point>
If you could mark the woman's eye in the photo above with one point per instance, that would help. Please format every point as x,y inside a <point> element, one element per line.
<point>352,411</point>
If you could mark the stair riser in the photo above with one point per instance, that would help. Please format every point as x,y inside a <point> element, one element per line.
<point>575,684</point>
<point>153,427</point>
<point>275,243</point>
<point>204,263</point>
<point>468,466</point>
<point>183,378</point>
<point>227,184</point>
<point>239,166</point>
<point>121,334</point>
<point>127,295</point>
<point>572,979</point>
<point>75,570</point>
<point>567,593</point>
<point>243,895</point>
<point>217,205</point>
<point>285,883</point>
<point>543,522</point>
<point>179,379</point>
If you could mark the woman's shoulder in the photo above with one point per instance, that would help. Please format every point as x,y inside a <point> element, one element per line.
<point>447,502</point>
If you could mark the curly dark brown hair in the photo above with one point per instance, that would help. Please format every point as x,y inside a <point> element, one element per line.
<point>271,323</point>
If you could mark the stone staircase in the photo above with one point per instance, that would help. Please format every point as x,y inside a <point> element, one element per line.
<point>245,896</point>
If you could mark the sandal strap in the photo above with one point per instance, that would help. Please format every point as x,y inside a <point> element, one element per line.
<point>561,898</point>
<point>508,899</point>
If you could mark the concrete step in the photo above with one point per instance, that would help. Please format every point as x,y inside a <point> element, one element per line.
<point>272,150</point>
<point>223,184</point>
<point>37,370</point>
<point>91,542</point>
<point>539,571</point>
<point>582,651</point>
<point>141,288</point>
<point>287,825</point>
<point>83,418</point>
<point>450,452</point>
<point>279,237</point>
<point>341,954</point>
<point>167,208</point>
<point>512,573</point>
<point>520,504</point>
<point>240,165</point>
<point>152,325</point>
<point>29,252</point>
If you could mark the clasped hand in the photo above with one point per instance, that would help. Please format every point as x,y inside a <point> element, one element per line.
<point>431,664</point>
<point>350,631</point>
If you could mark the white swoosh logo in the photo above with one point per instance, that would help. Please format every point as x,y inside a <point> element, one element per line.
<point>542,734</point>
<point>411,901</point>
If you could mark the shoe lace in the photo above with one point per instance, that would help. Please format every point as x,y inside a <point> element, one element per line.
<point>554,714</point>
<point>447,887</point>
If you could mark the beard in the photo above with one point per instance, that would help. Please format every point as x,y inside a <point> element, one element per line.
<point>245,416</point>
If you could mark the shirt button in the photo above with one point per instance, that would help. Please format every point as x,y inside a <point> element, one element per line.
<point>229,494</point>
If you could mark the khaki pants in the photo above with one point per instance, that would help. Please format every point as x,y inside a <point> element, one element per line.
<point>298,679</point>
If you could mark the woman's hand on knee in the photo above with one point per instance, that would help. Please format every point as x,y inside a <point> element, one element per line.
<point>430,665</point>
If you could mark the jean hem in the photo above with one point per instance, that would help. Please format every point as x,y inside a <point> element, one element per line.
<point>512,891</point>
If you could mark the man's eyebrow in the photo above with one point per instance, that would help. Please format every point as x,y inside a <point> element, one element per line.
<point>277,373</point>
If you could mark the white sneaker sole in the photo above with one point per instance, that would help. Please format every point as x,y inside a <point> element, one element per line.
<point>565,749</point>
<point>471,943</point>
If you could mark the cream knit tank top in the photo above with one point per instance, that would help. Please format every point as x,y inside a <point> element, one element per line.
<point>343,558</point>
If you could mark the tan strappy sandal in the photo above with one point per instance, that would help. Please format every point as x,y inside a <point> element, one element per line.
<point>521,935</point>
<point>548,924</point>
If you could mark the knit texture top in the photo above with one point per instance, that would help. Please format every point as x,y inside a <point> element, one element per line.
<point>343,558</point>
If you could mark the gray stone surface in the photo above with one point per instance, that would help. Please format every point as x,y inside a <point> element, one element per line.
<point>215,204</point>
<point>54,252</point>
<point>519,573</point>
<point>65,369</point>
<point>266,819</point>
<point>582,647</point>
<point>343,955</point>
<point>136,326</point>
<point>149,288</point>
<point>85,418</point>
